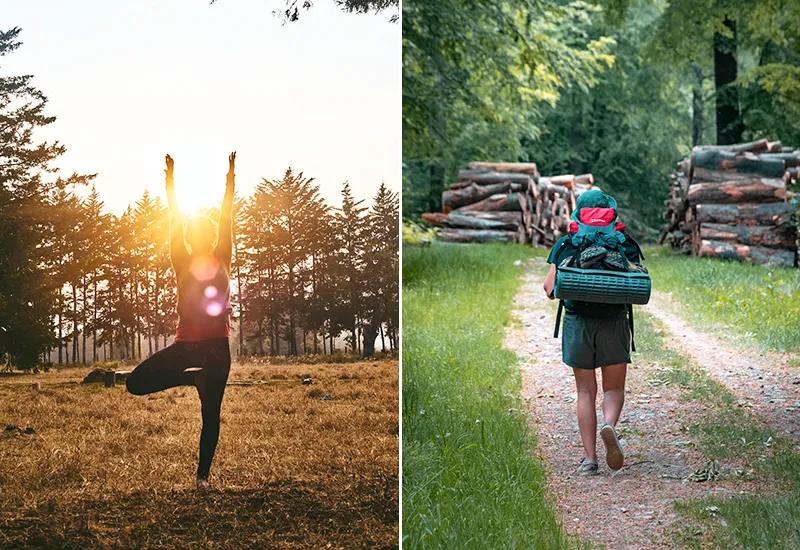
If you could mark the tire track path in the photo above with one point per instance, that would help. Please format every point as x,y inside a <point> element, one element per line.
<point>632,508</point>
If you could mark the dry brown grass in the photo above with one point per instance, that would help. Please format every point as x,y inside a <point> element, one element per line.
<point>107,469</point>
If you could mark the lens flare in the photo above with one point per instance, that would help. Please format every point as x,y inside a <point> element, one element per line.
<point>211,292</point>
<point>214,309</point>
<point>204,268</point>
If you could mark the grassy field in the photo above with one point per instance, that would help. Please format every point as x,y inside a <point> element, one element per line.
<point>770,519</point>
<point>106,469</point>
<point>753,304</point>
<point>470,479</point>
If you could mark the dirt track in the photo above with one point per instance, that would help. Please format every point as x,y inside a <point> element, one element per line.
<point>634,508</point>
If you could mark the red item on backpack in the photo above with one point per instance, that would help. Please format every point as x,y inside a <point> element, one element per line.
<point>597,216</point>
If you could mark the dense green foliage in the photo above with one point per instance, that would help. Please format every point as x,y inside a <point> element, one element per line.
<point>470,479</point>
<point>754,304</point>
<point>619,88</point>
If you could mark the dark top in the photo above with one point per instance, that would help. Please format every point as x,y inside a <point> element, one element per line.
<point>203,281</point>
<point>590,309</point>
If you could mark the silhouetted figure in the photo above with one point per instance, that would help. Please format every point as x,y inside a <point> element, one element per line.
<point>201,340</point>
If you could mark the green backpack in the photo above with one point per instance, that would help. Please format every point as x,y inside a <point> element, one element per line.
<point>599,271</point>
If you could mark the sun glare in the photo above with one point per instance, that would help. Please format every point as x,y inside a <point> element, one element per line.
<point>196,199</point>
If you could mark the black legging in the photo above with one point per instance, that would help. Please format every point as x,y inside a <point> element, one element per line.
<point>166,369</point>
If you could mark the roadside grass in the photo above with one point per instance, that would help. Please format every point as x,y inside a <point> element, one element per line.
<point>750,304</point>
<point>767,520</point>
<point>470,479</point>
<point>107,469</point>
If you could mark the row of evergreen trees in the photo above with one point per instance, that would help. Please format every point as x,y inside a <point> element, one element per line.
<point>80,284</point>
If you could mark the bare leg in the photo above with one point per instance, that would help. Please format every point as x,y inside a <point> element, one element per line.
<point>613,391</point>
<point>586,383</point>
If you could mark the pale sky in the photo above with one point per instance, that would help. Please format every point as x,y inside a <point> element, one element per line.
<point>131,81</point>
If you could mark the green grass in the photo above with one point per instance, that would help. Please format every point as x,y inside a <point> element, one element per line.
<point>767,520</point>
<point>470,479</point>
<point>750,303</point>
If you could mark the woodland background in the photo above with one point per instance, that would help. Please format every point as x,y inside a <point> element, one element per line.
<point>619,88</point>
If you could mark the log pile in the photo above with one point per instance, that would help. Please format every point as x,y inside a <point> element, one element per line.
<point>508,202</point>
<point>732,202</point>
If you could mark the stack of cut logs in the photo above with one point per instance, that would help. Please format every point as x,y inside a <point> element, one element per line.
<point>508,202</point>
<point>731,202</point>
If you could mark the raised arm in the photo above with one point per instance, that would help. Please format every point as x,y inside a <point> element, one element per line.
<point>225,241</point>
<point>177,248</point>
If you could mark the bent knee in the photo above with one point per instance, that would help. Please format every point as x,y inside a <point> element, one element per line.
<point>134,385</point>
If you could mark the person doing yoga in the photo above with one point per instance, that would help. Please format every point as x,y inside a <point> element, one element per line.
<point>200,355</point>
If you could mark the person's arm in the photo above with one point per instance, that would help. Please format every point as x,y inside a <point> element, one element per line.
<point>177,248</point>
<point>225,241</point>
<point>550,281</point>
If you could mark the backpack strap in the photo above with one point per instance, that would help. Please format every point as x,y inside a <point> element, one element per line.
<point>630,322</point>
<point>558,318</point>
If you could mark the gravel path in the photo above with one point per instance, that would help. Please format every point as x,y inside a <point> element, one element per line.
<point>761,380</point>
<point>632,508</point>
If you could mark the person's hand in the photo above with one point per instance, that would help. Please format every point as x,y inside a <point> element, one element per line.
<point>170,170</point>
<point>231,166</point>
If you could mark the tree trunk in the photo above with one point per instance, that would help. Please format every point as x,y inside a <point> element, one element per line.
<point>94,324</point>
<point>774,257</point>
<point>758,146</point>
<point>477,236</point>
<point>514,202</point>
<point>768,166</point>
<point>489,178</point>
<point>528,168</point>
<point>771,213</point>
<point>770,236</point>
<point>729,124</point>
<point>455,219</point>
<point>436,185</point>
<point>383,342</point>
<point>697,105</point>
<point>735,192</point>
<point>568,180</point>
<point>471,194</point>
<point>60,332</point>
<point>74,323</point>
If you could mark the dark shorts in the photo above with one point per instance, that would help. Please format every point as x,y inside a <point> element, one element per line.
<point>589,342</point>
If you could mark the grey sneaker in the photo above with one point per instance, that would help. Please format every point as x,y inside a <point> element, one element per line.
<point>614,457</point>
<point>587,468</point>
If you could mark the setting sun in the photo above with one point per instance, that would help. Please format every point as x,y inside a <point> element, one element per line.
<point>198,185</point>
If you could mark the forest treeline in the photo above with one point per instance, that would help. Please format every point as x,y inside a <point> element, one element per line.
<point>619,88</point>
<point>79,284</point>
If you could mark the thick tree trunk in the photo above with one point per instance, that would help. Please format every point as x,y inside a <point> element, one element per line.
<point>478,236</point>
<point>758,146</point>
<point>518,167</point>
<point>568,180</point>
<point>456,198</point>
<point>771,213</point>
<point>729,124</point>
<point>735,192</point>
<point>505,221</point>
<point>774,257</point>
<point>497,203</point>
<point>489,178</point>
<point>770,236</point>
<point>769,166</point>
